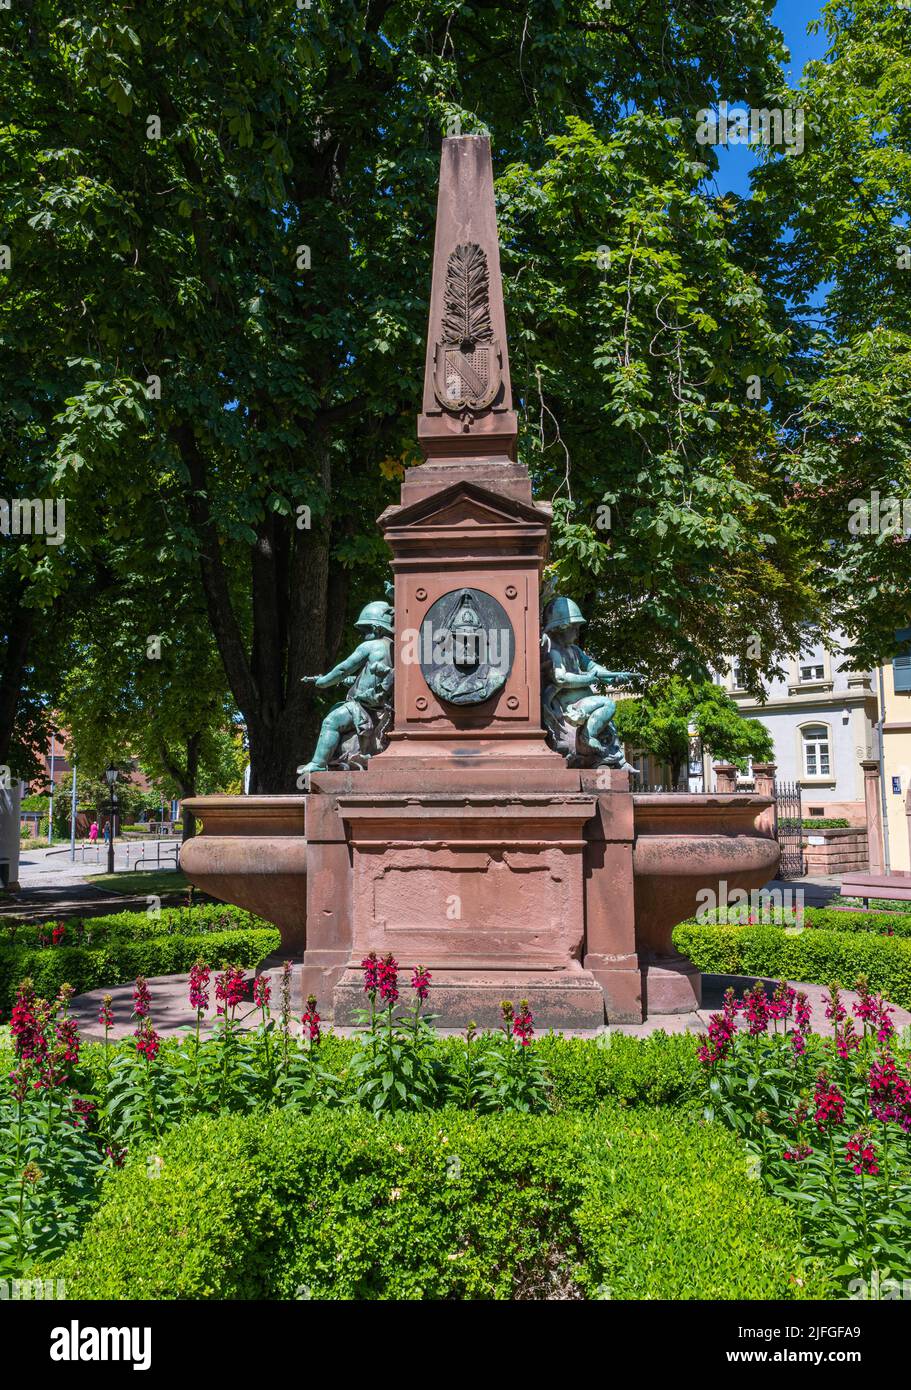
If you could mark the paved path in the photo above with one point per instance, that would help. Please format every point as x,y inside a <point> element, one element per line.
<point>53,885</point>
<point>171,1013</point>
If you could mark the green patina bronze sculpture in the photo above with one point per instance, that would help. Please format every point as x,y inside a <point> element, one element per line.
<point>353,731</point>
<point>580,726</point>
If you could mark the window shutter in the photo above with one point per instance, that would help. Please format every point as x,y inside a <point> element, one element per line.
<point>901,665</point>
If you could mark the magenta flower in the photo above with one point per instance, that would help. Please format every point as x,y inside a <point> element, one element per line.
<point>142,999</point>
<point>199,987</point>
<point>420,981</point>
<point>262,992</point>
<point>389,979</point>
<point>847,1040</point>
<point>861,1155</point>
<point>229,989</point>
<point>803,1018</point>
<point>106,1013</point>
<point>523,1023</point>
<point>311,1019</point>
<point>82,1109</point>
<point>890,1094</point>
<point>722,1028</point>
<point>371,968</point>
<point>829,1102</point>
<point>757,1010</point>
<point>147,1040</point>
<point>783,1000</point>
<point>797,1154</point>
<point>835,1009</point>
<point>25,1025</point>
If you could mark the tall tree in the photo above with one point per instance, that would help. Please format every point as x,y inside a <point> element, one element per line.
<point>220,227</point>
<point>840,213</point>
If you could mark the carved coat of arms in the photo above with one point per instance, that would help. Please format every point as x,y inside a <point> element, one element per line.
<point>467,360</point>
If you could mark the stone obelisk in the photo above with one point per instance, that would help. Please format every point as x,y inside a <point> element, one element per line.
<point>467,834</point>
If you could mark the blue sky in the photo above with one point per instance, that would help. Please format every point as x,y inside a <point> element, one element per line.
<point>792,17</point>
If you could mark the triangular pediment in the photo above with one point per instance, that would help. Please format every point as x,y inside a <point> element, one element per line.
<point>465,504</point>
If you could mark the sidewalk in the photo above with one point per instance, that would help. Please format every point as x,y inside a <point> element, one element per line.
<point>172,1015</point>
<point>52,885</point>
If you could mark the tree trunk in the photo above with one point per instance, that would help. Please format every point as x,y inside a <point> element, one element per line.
<point>12,671</point>
<point>298,617</point>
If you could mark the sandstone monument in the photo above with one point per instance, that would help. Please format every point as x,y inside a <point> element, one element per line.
<point>460,810</point>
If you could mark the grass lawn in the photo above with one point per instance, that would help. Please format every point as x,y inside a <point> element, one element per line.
<point>157,881</point>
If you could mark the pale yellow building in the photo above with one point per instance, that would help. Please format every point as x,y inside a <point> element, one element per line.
<point>894,687</point>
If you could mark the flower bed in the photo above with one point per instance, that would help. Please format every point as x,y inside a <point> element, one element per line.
<point>267,1162</point>
<point>828,1120</point>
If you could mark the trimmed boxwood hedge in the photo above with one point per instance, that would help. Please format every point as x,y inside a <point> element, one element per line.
<point>167,921</point>
<point>826,918</point>
<point>820,956</point>
<point>620,1204</point>
<point>119,948</point>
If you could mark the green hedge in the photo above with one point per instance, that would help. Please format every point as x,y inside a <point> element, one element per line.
<point>117,959</point>
<point>818,956</point>
<point>137,926</point>
<point>443,1206</point>
<point>827,918</point>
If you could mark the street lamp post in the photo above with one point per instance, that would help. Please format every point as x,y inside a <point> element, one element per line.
<point>110,777</point>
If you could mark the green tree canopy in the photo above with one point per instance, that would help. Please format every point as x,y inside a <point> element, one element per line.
<point>220,222</point>
<point>672,712</point>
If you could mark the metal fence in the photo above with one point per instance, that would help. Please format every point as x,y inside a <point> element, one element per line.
<point>789,829</point>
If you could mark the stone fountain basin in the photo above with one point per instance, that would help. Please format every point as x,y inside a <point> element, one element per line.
<point>252,851</point>
<point>686,844</point>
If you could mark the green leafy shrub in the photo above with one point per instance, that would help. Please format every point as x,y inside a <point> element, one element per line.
<point>818,823</point>
<point>656,1070</point>
<point>820,955</point>
<point>120,958</point>
<point>167,921</point>
<point>827,918</point>
<point>443,1206</point>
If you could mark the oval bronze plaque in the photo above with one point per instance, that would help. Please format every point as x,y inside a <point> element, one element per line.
<point>467,647</point>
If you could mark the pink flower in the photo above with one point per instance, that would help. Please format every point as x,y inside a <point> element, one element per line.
<point>420,981</point>
<point>829,1102</point>
<point>861,1155</point>
<point>82,1109</point>
<point>722,1028</point>
<point>229,989</point>
<point>106,1013</point>
<point>782,1003</point>
<point>262,992</point>
<point>311,1019</point>
<point>142,999</point>
<point>147,1040</point>
<point>890,1094</point>
<point>371,968</point>
<point>835,1009</point>
<point>199,987</point>
<point>803,1018</point>
<point>797,1154</point>
<point>523,1023</point>
<point>389,979</point>
<point>757,1010</point>
<point>28,1022</point>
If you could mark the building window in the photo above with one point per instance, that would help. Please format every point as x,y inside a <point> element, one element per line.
<point>739,676</point>
<point>901,665</point>
<point>812,673</point>
<point>816,762</point>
